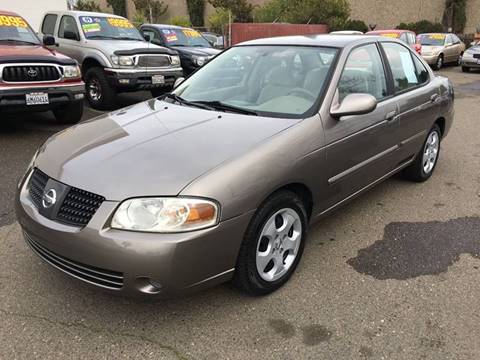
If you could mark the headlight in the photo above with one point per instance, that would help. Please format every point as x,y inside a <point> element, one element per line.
<point>165,215</point>
<point>72,71</point>
<point>175,60</point>
<point>200,60</point>
<point>29,168</point>
<point>122,60</point>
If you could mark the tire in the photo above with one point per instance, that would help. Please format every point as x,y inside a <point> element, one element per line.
<point>459,60</point>
<point>156,92</point>
<point>418,170</point>
<point>99,93</point>
<point>280,247</point>
<point>439,63</point>
<point>69,114</point>
<point>465,69</point>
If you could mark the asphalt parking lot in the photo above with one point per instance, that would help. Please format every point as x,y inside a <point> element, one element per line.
<point>392,275</point>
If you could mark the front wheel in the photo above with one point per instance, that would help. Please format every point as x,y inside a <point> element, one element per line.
<point>439,62</point>
<point>424,165</point>
<point>273,244</point>
<point>69,114</point>
<point>100,94</point>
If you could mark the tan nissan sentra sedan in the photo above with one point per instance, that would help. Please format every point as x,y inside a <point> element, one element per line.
<point>220,179</point>
<point>440,49</point>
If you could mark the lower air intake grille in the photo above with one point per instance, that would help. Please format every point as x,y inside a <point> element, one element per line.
<point>93,275</point>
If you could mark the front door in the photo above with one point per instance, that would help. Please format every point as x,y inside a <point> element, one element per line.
<point>361,149</point>
<point>69,37</point>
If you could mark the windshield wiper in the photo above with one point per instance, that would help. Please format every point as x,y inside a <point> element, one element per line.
<point>186,102</point>
<point>127,38</point>
<point>218,105</point>
<point>101,37</point>
<point>20,41</point>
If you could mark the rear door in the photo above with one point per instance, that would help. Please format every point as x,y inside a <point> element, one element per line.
<point>361,149</point>
<point>416,97</point>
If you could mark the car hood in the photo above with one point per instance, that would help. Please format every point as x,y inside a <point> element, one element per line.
<point>432,49</point>
<point>151,149</point>
<point>127,46</point>
<point>198,51</point>
<point>31,53</point>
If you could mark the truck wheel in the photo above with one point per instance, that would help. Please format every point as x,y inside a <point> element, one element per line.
<point>99,93</point>
<point>69,114</point>
<point>156,92</point>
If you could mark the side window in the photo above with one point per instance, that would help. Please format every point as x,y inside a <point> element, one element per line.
<point>48,26</point>
<point>448,40</point>
<point>412,38</point>
<point>403,37</point>
<point>363,73</point>
<point>422,73</point>
<point>69,26</point>
<point>403,68</point>
<point>455,38</point>
<point>150,33</point>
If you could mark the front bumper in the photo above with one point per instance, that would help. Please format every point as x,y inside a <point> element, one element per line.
<point>12,98</point>
<point>141,79</point>
<point>133,263</point>
<point>430,59</point>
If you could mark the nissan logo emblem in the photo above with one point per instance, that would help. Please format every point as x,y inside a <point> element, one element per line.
<point>49,198</point>
<point>32,73</point>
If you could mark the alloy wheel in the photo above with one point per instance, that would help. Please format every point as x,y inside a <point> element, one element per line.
<point>278,244</point>
<point>94,89</point>
<point>430,152</point>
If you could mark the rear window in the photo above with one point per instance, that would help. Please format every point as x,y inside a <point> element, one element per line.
<point>48,26</point>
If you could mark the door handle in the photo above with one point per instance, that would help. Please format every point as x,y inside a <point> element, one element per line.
<point>434,98</point>
<point>392,115</point>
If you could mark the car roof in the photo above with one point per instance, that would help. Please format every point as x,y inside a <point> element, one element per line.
<point>436,33</point>
<point>8,12</point>
<point>338,41</point>
<point>83,13</point>
<point>165,26</point>
<point>396,31</point>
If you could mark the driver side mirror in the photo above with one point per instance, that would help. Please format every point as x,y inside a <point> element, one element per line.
<point>48,40</point>
<point>354,104</point>
<point>178,82</point>
<point>147,37</point>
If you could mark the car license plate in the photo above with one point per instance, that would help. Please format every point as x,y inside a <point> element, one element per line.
<point>37,98</point>
<point>158,79</point>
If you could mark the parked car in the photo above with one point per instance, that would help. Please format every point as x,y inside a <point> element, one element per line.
<point>221,178</point>
<point>113,55</point>
<point>34,78</point>
<point>194,50</point>
<point>439,49</point>
<point>346,32</point>
<point>471,58</point>
<point>217,41</point>
<point>407,36</point>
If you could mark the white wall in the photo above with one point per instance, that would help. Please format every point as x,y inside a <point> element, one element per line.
<point>32,10</point>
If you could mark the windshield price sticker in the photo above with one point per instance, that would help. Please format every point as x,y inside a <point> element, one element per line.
<point>191,33</point>
<point>89,24</point>
<point>120,23</point>
<point>15,21</point>
<point>390,35</point>
<point>436,36</point>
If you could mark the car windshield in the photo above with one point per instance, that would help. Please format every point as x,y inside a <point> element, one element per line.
<point>432,39</point>
<point>277,81</point>
<point>16,30</point>
<point>109,28</point>
<point>183,37</point>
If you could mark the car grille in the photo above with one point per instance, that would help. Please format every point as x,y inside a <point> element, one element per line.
<point>93,275</point>
<point>28,73</point>
<point>153,61</point>
<point>78,206</point>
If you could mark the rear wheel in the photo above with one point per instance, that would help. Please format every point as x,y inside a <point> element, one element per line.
<point>424,165</point>
<point>273,244</point>
<point>459,59</point>
<point>99,93</point>
<point>69,114</point>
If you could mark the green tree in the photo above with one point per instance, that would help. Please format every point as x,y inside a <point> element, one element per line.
<point>118,7</point>
<point>180,21</point>
<point>152,10</point>
<point>87,5</point>
<point>196,9</point>
<point>421,27</point>
<point>334,13</point>
<point>242,10</point>
<point>455,16</point>
<point>219,19</point>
